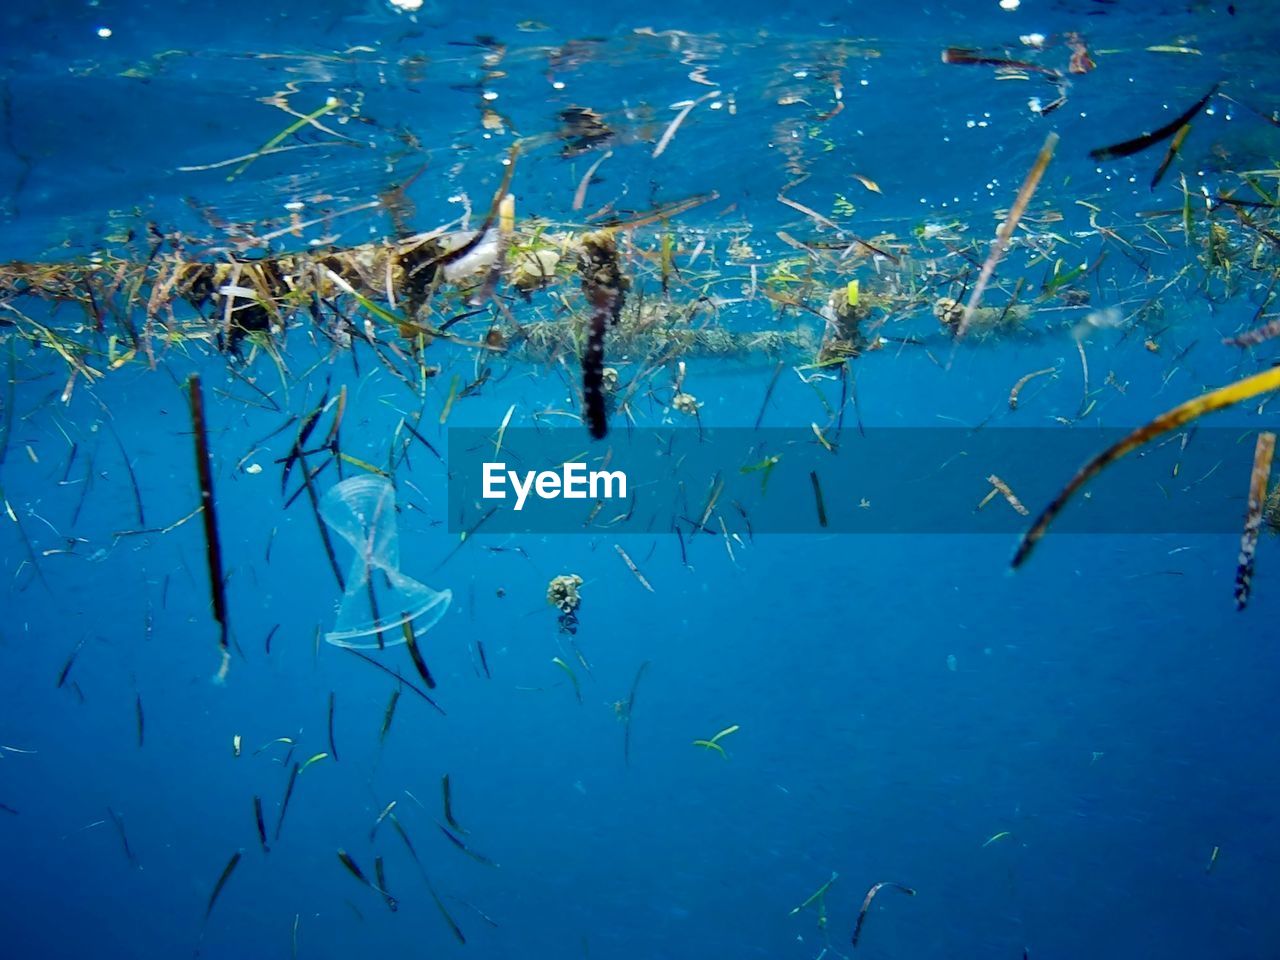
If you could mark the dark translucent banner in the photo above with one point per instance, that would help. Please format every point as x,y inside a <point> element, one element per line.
<point>936,480</point>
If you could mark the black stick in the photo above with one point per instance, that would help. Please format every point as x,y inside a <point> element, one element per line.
<point>204,470</point>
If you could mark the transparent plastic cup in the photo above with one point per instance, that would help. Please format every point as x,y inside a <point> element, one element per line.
<point>379,599</point>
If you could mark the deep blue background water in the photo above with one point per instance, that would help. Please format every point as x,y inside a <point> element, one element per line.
<point>1108,705</point>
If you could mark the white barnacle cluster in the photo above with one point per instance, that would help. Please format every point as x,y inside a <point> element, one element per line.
<point>562,592</point>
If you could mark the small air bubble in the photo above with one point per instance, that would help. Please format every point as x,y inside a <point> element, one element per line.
<point>104,32</point>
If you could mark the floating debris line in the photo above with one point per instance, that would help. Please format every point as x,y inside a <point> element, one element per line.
<point>387,298</point>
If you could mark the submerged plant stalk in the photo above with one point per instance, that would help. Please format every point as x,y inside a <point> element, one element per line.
<point>213,546</point>
<point>1263,453</point>
<point>1184,413</point>
<point>1004,235</point>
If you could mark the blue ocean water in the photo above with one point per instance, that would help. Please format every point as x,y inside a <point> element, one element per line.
<point>1074,758</point>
